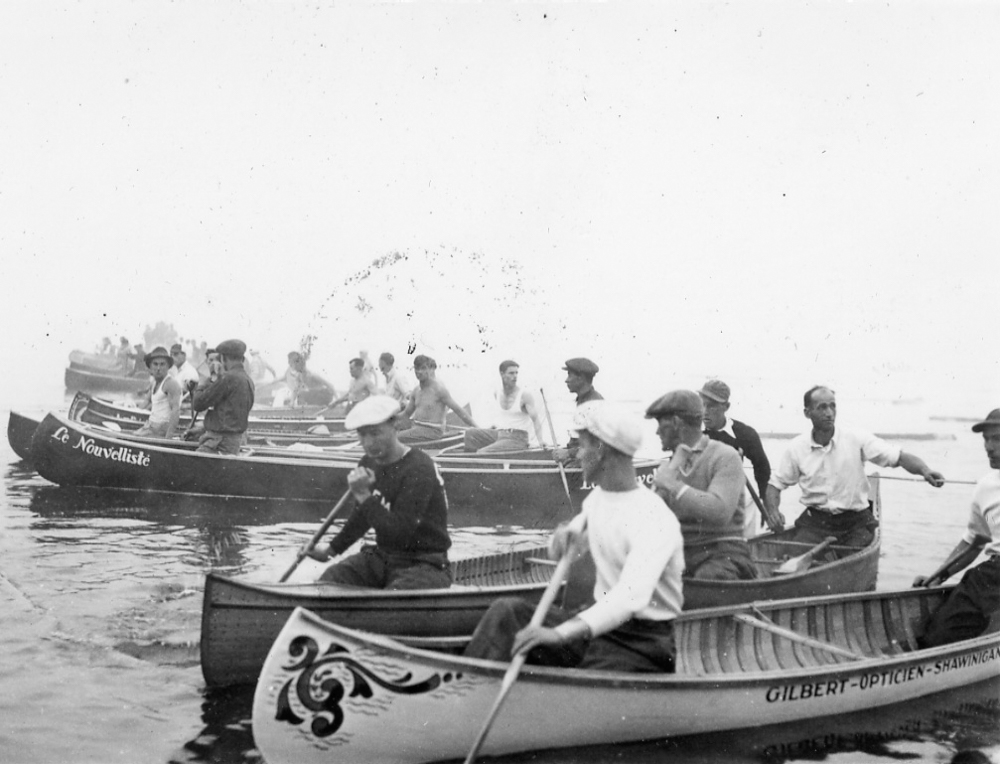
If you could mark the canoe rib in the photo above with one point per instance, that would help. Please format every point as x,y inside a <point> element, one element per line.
<point>757,623</point>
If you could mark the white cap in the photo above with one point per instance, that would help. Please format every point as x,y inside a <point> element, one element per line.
<point>374,409</point>
<point>612,424</point>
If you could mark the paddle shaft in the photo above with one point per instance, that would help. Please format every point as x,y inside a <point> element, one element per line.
<point>304,552</point>
<point>552,431</point>
<point>794,636</point>
<point>515,665</point>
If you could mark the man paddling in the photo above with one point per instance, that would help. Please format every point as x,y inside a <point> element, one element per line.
<point>429,404</point>
<point>400,493</point>
<point>976,600</point>
<point>396,384</point>
<point>828,464</point>
<point>704,485</point>
<point>638,552</point>
<point>362,386</point>
<point>516,413</point>
<point>227,400</point>
<point>164,398</point>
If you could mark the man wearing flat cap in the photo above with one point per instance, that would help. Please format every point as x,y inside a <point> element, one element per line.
<point>828,465</point>
<point>580,374</point>
<point>638,554</point>
<point>744,438</point>
<point>703,483</point>
<point>972,604</point>
<point>227,401</point>
<point>182,369</point>
<point>164,398</point>
<point>399,492</point>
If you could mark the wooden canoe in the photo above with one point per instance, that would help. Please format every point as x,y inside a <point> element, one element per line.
<point>329,694</point>
<point>240,620</point>
<point>20,430</point>
<point>68,453</point>
<point>83,380</point>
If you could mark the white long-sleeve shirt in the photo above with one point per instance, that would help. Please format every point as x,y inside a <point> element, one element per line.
<point>638,552</point>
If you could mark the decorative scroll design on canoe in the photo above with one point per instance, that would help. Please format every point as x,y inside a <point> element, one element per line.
<point>322,695</point>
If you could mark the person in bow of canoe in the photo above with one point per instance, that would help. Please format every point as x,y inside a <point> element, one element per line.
<point>580,373</point>
<point>164,398</point>
<point>227,399</point>
<point>400,493</point>
<point>638,554</point>
<point>828,464</point>
<point>704,485</point>
<point>972,604</point>
<point>181,369</point>
<point>516,412</point>
<point>429,404</point>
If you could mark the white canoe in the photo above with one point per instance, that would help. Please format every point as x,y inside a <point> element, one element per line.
<point>329,694</point>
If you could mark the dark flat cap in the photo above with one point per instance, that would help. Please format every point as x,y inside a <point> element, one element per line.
<point>581,366</point>
<point>679,402</point>
<point>232,348</point>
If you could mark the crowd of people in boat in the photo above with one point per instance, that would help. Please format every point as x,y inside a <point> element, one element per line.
<point>692,521</point>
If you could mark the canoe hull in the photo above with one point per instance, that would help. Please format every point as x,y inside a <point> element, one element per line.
<point>20,430</point>
<point>240,620</point>
<point>96,382</point>
<point>69,454</point>
<point>327,694</point>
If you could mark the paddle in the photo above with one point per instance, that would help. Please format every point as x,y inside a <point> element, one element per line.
<point>515,665</point>
<point>803,561</point>
<point>552,431</point>
<point>303,553</point>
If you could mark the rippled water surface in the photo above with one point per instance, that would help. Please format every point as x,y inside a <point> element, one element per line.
<point>101,602</point>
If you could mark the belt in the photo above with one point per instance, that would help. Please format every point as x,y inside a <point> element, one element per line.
<point>512,431</point>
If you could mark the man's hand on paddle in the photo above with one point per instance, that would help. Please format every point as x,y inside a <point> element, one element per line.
<point>360,480</point>
<point>566,540</point>
<point>320,552</point>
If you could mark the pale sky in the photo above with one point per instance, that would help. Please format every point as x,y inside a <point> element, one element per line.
<point>778,193</point>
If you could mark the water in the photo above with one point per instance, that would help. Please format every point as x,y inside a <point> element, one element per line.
<point>101,599</point>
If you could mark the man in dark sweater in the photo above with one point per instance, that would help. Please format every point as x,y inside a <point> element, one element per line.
<point>227,401</point>
<point>744,438</point>
<point>399,492</point>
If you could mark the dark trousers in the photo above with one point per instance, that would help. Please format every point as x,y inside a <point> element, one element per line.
<point>849,528</point>
<point>376,569</point>
<point>968,610</point>
<point>636,645</point>
<point>719,561</point>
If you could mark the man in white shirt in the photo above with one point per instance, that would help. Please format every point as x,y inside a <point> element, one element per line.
<point>164,399</point>
<point>182,370</point>
<point>638,554</point>
<point>976,600</point>
<point>516,413</point>
<point>396,384</point>
<point>827,463</point>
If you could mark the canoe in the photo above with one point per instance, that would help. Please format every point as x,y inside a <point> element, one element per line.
<point>86,381</point>
<point>69,453</point>
<point>329,694</point>
<point>20,429</point>
<point>240,620</point>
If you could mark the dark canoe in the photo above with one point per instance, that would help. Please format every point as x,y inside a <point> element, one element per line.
<point>100,382</point>
<point>69,453</point>
<point>330,694</point>
<point>240,620</point>
<point>108,363</point>
<point>20,430</point>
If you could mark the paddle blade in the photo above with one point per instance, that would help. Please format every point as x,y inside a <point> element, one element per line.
<point>803,561</point>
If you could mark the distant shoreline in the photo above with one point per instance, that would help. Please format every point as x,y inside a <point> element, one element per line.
<point>883,435</point>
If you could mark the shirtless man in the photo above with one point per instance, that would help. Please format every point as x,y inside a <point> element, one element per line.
<point>361,387</point>
<point>429,404</point>
<point>517,412</point>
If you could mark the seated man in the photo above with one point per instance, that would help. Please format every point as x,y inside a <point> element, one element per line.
<point>517,411</point>
<point>181,368</point>
<point>580,373</point>
<point>361,387</point>
<point>399,492</point>
<point>396,384</point>
<point>976,600</point>
<point>703,483</point>
<point>828,464</point>
<point>164,399</point>
<point>429,405</point>
<point>228,400</point>
<point>638,553</point>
